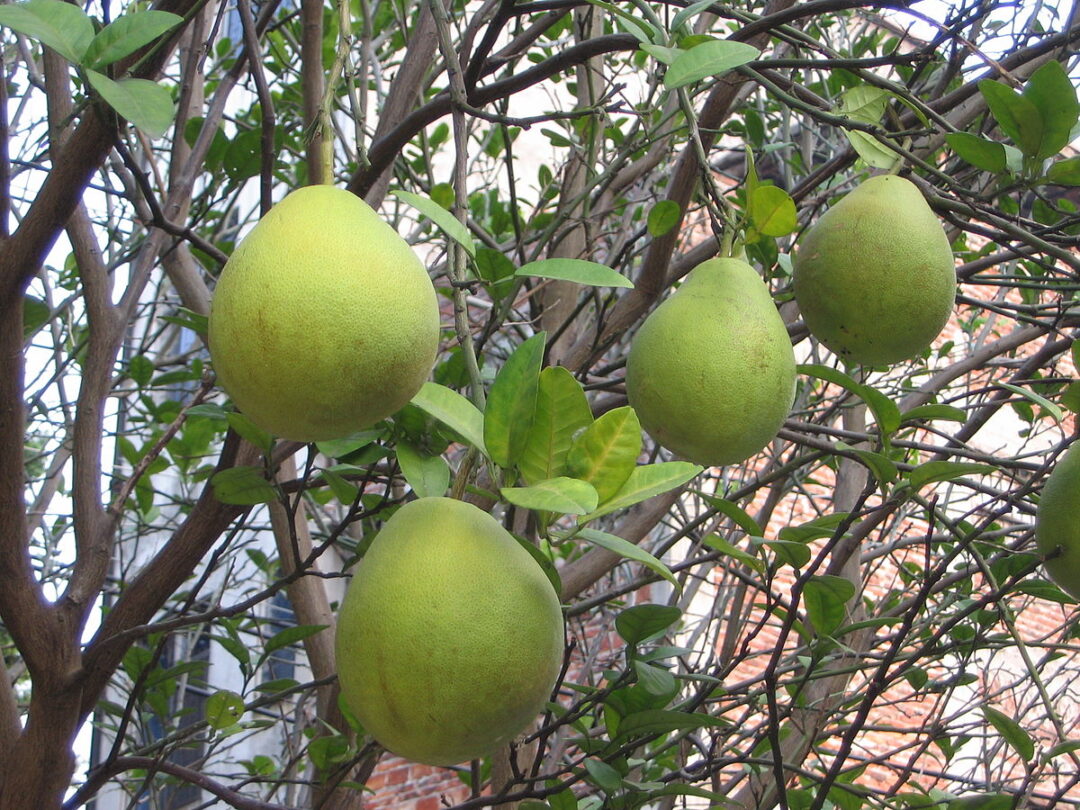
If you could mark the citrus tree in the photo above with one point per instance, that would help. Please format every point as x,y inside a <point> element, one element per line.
<point>853,616</point>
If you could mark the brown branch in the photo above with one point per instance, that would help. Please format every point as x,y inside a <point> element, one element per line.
<point>385,147</point>
<point>10,724</point>
<point>827,690</point>
<point>977,359</point>
<point>266,107</point>
<point>311,82</point>
<point>372,181</point>
<point>5,154</point>
<point>307,595</point>
<point>72,167</point>
<point>162,576</point>
<point>652,278</point>
<point>231,797</point>
<point>179,263</point>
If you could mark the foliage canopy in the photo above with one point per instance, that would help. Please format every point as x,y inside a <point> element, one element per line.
<point>855,617</point>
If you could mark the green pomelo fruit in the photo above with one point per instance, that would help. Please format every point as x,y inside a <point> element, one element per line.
<point>1057,522</point>
<point>711,373</point>
<point>324,321</point>
<point>874,277</point>
<point>450,637</point>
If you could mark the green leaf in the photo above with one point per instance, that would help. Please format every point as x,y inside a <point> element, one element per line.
<point>885,411</point>
<point>447,222</point>
<point>864,103</point>
<point>656,680</point>
<point>690,11</point>
<point>825,598</point>
<point>144,103</point>
<point>653,722</point>
<point>580,271</point>
<point>603,775</point>
<point>1017,116</point>
<point>1070,397</point>
<point>677,789</point>
<point>646,481</point>
<point>663,216</point>
<point>511,402</point>
<point>224,709</point>
<point>328,750</point>
<point>126,34</point>
<point>454,411</point>
<point>1044,590</point>
<point>289,636</point>
<point>718,543</point>
<point>545,563</point>
<point>791,552</point>
<point>249,431</point>
<point>1051,91</point>
<point>1015,158</point>
<point>873,152</point>
<point>243,486</point>
<point>816,529</point>
<point>567,496</point>
<point>606,453</point>
<point>640,28</point>
<point>36,312</point>
<point>637,623</point>
<point>141,369</point>
<point>660,53</point>
<point>934,411</point>
<point>64,27</point>
<point>733,511</point>
<point>882,467</point>
<point>237,649</point>
<point>429,476</point>
<point>562,409</point>
<point>987,801</point>
<point>1041,401</point>
<point>496,269</point>
<point>979,152</point>
<point>773,211</point>
<point>443,194</point>
<point>344,490</point>
<point>934,471</point>
<point>563,800</point>
<point>712,58</point>
<point>1060,749</point>
<point>624,548</point>
<point>340,448</point>
<point>1065,172</point>
<point>1018,739</point>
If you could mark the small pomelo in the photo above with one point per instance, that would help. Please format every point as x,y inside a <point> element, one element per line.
<point>711,372</point>
<point>1057,522</point>
<point>874,277</point>
<point>450,637</point>
<point>324,321</point>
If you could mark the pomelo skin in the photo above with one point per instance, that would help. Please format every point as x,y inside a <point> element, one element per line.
<point>450,637</point>
<point>324,321</point>
<point>711,372</point>
<point>1057,522</point>
<point>874,277</point>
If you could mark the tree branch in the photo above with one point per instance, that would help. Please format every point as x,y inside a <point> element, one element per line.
<point>385,147</point>
<point>652,278</point>
<point>231,797</point>
<point>80,156</point>
<point>162,576</point>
